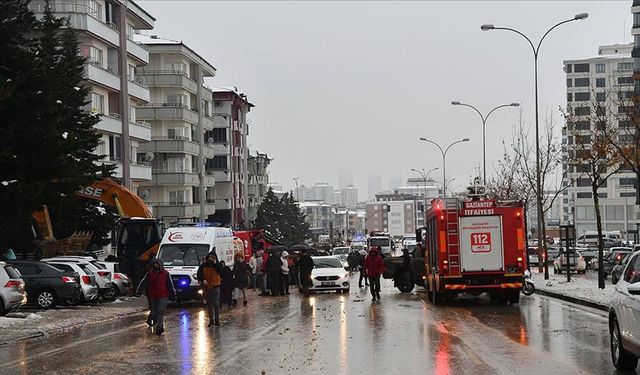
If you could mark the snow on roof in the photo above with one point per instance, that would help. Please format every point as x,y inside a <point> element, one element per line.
<point>153,39</point>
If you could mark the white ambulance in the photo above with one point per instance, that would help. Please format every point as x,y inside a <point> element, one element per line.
<point>183,249</point>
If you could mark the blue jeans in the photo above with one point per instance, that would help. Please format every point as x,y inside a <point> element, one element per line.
<point>212,295</point>
<point>158,307</point>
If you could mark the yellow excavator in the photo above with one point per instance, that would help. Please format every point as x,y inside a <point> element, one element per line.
<point>138,233</point>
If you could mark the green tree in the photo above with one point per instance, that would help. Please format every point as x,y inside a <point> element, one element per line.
<point>282,219</point>
<point>46,152</point>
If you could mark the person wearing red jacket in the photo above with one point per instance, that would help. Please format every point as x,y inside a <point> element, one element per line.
<point>374,265</point>
<point>159,289</point>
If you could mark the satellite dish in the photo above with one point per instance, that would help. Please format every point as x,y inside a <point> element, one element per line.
<point>148,157</point>
<point>145,194</point>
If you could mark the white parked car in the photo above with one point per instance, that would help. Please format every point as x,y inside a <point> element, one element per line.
<point>576,263</point>
<point>12,293</point>
<point>106,288</point>
<point>624,317</point>
<point>329,274</point>
<point>88,283</point>
<point>121,281</point>
<point>342,253</point>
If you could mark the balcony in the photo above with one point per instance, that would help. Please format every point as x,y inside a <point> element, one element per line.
<point>168,78</point>
<point>221,149</point>
<point>110,124</point>
<point>207,122</point>
<point>139,91</point>
<point>140,172</point>
<point>140,130</point>
<point>82,17</point>
<point>161,209</point>
<point>223,204</point>
<point>101,76</point>
<point>172,178</point>
<point>166,111</point>
<point>222,175</point>
<point>170,145</point>
<point>138,50</point>
<point>208,152</point>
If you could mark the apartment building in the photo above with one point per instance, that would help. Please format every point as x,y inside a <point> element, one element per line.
<point>394,217</point>
<point>106,30</point>
<point>349,196</point>
<point>605,80</point>
<point>180,115</point>
<point>230,159</point>
<point>322,191</point>
<point>258,182</point>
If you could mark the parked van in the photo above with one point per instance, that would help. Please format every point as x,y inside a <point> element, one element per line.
<point>609,239</point>
<point>183,249</point>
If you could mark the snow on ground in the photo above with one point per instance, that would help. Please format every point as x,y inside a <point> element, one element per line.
<point>580,287</point>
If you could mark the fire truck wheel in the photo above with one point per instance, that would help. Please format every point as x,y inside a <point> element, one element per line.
<point>514,297</point>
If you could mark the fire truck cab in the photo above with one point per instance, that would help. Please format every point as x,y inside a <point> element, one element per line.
<point>474,245</point>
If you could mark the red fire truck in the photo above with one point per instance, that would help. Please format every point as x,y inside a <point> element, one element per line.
<point>474,246</point>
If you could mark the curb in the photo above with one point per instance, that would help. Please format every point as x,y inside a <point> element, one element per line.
<point>73,327</point>
<point>577,301</point>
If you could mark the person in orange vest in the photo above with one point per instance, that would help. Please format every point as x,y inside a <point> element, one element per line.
<point>209,278</point>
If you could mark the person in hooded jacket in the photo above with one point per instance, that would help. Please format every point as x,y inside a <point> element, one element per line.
<point>209,278</point>
<point>241,275</point>
<point>374,266</point>
<point>363,271</point>
<point>285,272</point>
<point>305,266</point>
<point>159,289</point>
<point>274,274</point>
<point>226,286</point>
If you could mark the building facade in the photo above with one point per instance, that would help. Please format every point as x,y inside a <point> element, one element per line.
<point>604,80</point>
<point>229,163</point>
<point>180,114</point>
<point>258,182</point>
<point>106,30</point>
<point>322,191</point>
<point>349,196</point>
<point>394,217</point>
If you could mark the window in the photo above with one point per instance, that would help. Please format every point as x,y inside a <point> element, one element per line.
<point>614,212</point>
<point>569,82</point>
<point>581,68</point>
<point>626,65</point>
<point>176,133</point>
<point>628,194</point>
<point>177,100</point>
<point>219,162</point>
<point>97,103</point>
<point>180,68</point>
<point>582,182</point>
<point>632,274</point>
<point>205,108</point>
<point>583,195</point>
<point>625,80</point>
<point>176,165</point>
<point>624,94</point>
<point>600,82</point>
<point>583,139</point>
<point>219,135</point>
<point>581,82</point>
<point>583,125</point>
<point>27,269</point>
<point>600,97</point>
<point>569,97</point>
<point>115,147</point>
<point>582,96</point>
<point>178,197</point>
<point>568,68</point>
<point>95,9</point>
<point>63,267</point>
<point>624,124</point>
<point>582,111</point>
<point>130,31</point>
<point>623,109</point>
<point>629,181</point>
<point>131,73</point>
<point>133,153</point>
<point>599,68</point>
<point>95,56</point>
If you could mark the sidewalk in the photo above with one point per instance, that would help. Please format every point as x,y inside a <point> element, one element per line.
<point>583,289</point>
<point>29,322</point>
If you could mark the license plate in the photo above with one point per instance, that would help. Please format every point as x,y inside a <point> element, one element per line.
<point>327,283</point>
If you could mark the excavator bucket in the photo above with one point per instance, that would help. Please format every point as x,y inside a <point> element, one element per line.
<point>76,244</point>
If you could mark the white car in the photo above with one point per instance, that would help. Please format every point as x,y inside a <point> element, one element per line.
<point>576,263</point>
<point>329,274</point>
<point>624,317</point>
<point>106,289</point>
<point>12,293</point>
<point>342,253</point>
<point>121,281</point>
<point>88,283</point>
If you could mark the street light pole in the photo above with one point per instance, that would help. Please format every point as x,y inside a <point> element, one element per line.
<point>444,160</point>
<point>425,177</point>
<point>536,50</point>
<point>484,126</point>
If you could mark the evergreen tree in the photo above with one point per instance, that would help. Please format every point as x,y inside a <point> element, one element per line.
<point>282,219</point>
<point>46,151</point>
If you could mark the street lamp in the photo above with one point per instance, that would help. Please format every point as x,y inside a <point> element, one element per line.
<point>536,50</point>
<point>425,176</point>
<point>444,160</point>
<point>484,125</point>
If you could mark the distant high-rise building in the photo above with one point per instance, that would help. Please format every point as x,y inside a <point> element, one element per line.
<point>337,197</point>
<point>374,186</point>
<point>304,193</point>
<point>345,179</point>
<point>350,196</point>
<point>322,191</point>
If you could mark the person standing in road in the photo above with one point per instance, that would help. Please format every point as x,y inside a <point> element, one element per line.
<point>374,266</point>
<point>159,289</point>
<point>210,279</point>
<point>305,265</point>
<point>274,274</point>
<point>241,274</point>
<point>363,271</point>
<point>226,287</point>
<point>284,268</point>
<point>260,274</point>
<point>253,264</point>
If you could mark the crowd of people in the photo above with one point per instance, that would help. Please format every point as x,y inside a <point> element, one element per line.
<point>269,272</point>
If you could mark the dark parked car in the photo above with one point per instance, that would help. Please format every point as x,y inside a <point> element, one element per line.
<point>47,285</point>
<point>615,257</point>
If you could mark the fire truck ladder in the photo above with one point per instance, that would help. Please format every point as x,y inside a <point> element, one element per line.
<point>452,236</point>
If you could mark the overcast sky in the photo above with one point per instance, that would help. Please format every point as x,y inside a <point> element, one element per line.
<point>351,86</point>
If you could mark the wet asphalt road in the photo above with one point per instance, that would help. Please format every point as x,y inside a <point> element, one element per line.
<point>336,334</point>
